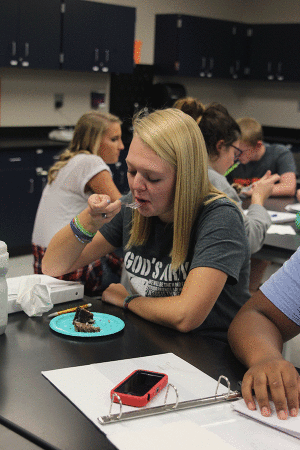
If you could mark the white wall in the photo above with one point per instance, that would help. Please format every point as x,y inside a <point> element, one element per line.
<point>27,96</point>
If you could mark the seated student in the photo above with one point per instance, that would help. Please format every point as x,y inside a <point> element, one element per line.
<point>185,270</point>
<point>81,171</point>
<point>191,106</point>
<point>256,158</point>
<point>256,335</point>
<point>221,134</point>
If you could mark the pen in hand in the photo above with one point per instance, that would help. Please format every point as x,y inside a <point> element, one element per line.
<point>69,310</point>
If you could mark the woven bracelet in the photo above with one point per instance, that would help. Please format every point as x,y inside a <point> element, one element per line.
<point>84,231</point>
<point>82,237</point>
<point>128,300</point>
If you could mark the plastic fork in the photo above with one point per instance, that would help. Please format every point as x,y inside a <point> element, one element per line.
<point>134,205</point>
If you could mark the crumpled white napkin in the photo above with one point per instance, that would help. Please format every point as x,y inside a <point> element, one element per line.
<point>34,295</point>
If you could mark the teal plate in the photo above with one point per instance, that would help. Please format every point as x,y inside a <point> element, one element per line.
<point>108,325</point>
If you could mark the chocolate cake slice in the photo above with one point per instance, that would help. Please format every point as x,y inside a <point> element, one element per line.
<point>83,321</point>
<point>83,315</point>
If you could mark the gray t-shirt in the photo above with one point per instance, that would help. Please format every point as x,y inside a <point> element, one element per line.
<point>277,158</point>
<point>257,220</point>
<point>218,240</point>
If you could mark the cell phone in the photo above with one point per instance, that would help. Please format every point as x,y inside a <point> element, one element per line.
<point>139,387</point>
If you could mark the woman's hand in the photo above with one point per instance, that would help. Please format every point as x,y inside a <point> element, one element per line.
<point>101,209</point>
<point>115,294</point>
<point>281,379</point>
<point>262,189</point>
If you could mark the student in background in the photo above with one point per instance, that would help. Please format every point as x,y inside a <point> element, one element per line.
<point>257,157</point>
<point>82,170</point>
<point>221,134</point>
<point>191,106</point>
<point>185,270</point>
<point>256,335</point>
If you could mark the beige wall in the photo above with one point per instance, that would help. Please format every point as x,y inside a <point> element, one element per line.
<point>27,96</point>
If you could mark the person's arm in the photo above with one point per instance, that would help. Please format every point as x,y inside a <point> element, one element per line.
<point>256,336</point>
<point>183,312</point>
<point>65,253</point>
<point>263,188</point>
<point>102,183</point>
<point>258,219</point>
<point>286,186</point>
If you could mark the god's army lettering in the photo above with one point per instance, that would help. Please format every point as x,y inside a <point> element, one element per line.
<point>154,278</point>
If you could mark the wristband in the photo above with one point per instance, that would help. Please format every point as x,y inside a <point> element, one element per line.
<point>79,234</point>
<point>128,300</point>
<point>80,227</point>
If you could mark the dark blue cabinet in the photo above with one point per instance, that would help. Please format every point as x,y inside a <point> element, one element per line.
<point>207,48</point>
<point>240,50</point>
<point>97,37</point>
<point>275,52</point>
<point>30,33</point>
<point>192,46</point>
<point>23,176</point>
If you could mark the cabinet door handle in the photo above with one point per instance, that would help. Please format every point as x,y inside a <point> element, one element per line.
<point>279,75</point>
<point>203,66</point>
<point>13,48</point>
<point>210,67</point>
<point>13,61</point>
<point>104,67</point>
<point>270,76</point>
<point>26,54</point>
<point>44,182</point>
<point>31,186</point>
<point>95,67</point>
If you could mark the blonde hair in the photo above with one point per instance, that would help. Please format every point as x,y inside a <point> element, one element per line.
<point>251,131</point>
<point>87,137</point>
<point>176,138</point>
<point>191,106</point>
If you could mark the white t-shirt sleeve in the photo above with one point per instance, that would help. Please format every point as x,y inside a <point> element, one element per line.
<point>283,288</point>
<point>82,169</point>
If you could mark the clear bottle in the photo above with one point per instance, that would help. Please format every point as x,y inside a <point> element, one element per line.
<point>3,287</point>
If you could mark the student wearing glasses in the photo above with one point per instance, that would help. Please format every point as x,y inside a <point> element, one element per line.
<point>221,134</point>
<point>257,157</point>
<point>186,253</point>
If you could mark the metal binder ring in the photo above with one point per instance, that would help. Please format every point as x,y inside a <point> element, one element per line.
<point>177,397</point>
<point>228,385</point>
<point>111,404</point>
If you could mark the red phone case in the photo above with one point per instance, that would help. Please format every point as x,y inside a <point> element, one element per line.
<point>136,400</point>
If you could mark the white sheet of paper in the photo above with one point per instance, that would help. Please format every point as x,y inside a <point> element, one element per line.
<point>294,207</point>
<point>88,387</point>
<point>179,435</point>
<point>281,229</point>
<point>290,426</point>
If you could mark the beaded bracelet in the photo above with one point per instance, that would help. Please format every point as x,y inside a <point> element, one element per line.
<point>128,300</point>
<point>81,234</point>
